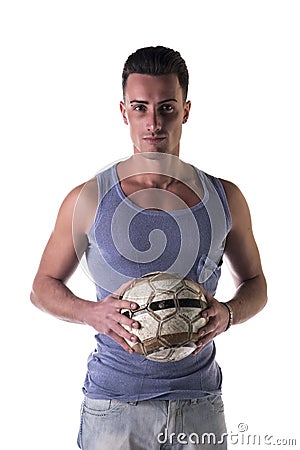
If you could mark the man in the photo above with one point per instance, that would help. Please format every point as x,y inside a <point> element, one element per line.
<point>151,212</point>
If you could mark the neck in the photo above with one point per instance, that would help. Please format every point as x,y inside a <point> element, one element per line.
<point>152,169</point>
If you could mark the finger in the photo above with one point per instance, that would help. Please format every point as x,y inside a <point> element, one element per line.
<point>121,341</point>
<point>122,332</point>
<point>210,327</point>
<point>198,349</point>
<point>124,304</point>
<point>209,312</point>
<point>127,321</point>
<point>205,334</point>
<point>200,344</point>
<point>205,340</point>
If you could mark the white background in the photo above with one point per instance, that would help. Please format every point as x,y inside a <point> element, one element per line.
<point>61,64</point>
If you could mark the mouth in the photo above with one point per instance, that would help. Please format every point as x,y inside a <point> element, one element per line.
<point>154,140</point>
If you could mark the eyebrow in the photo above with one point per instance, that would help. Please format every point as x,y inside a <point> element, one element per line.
<point>145,102</point>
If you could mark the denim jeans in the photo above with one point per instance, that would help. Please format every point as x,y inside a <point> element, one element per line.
<point>153,424</point>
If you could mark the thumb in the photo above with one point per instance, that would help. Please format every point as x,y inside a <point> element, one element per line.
<point>210,310</point>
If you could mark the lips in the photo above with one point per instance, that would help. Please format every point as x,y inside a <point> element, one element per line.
<point>154,139</point>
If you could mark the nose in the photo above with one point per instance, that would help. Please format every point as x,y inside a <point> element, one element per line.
<point>153,122</point>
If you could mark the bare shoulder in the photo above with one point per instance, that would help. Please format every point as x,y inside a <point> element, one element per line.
<point>231,189</point>
<point>237,203</point>
<point>80,204</point>
<point>86,191</point>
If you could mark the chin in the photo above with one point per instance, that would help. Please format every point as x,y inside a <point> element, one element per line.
<point>153,152</point>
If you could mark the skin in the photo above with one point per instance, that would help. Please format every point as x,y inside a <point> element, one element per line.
<point>154,110</point>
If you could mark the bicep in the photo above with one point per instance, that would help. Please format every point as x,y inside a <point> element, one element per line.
<point>67,242</point>
<point>60,258</point>
<point>241,252</point>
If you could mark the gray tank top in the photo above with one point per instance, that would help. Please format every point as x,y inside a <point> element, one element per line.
<point>127,241</point>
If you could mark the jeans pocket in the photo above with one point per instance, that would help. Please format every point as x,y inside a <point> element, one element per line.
<point>216,403</point>
<point>97,416</point>
<point>102,408</point>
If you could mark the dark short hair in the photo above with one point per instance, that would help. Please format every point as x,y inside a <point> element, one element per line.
<point>157,61</point>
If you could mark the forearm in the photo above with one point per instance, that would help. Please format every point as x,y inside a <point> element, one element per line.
<point>54,297</point>
<point>250,298</point>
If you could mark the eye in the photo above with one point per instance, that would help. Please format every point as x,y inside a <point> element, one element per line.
<point>141,108</point>
<point>167,108</point>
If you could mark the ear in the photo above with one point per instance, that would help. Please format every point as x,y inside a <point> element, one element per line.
<point>123,112</point>
<point>187,108</point>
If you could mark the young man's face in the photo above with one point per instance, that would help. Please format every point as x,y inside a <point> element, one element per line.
<point>154,109</point>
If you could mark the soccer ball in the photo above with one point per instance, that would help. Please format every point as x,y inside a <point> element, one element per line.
<point>169,314</point>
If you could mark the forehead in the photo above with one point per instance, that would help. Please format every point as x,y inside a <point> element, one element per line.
<point>152,88</point>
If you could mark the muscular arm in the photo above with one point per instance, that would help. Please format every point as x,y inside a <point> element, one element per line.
<point>58,262</point>
<point>243,259</point>
<point>60,259</point>
<point>242,256</point>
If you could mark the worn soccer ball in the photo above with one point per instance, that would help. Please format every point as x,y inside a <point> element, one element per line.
<point>169,314</point>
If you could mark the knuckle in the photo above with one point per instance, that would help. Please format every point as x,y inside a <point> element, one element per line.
<point>109,332</point>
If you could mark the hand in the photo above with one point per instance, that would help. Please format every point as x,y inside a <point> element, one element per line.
<point>218,316</point>
<point>105,317</point>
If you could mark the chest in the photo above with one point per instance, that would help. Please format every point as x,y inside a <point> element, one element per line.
<point>176,196</point>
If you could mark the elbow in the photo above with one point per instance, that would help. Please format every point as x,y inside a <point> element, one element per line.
<point>264,290</point>
<point>266,300</point>
<point>263,303</point>
<point>34,297</point>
